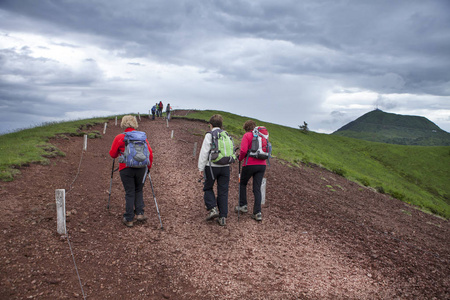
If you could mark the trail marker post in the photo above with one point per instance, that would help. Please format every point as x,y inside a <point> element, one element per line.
<point>60,195</point>
<point>85,142</point>
<point>263,191</point>
<point>116,121</point>
<point>139,116</point>
<point>104,129</point>
<point>195,149</point>
<point>167,120</point>
<point>171,135</point>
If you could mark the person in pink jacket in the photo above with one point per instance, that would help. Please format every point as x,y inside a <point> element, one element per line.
<point>252,167</point>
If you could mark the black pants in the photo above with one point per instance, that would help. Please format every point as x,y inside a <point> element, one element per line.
<point>257,172</point>
<point>134,196</point>
<point>222,175</point>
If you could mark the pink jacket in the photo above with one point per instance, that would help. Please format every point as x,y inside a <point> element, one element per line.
<point>246,144</point>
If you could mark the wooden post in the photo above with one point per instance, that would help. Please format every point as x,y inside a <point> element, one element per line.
<point>149,113</point>
<point>263,191</point>
<point>60,195</point>
<point>195,149</point>
<point>171,135</point>
<point>167,123</point>
<point>139,116</point>
<point>85,142</point>
<point>104,129</point>
<point>116,121</point>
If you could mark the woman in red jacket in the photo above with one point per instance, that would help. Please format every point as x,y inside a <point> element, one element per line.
<point>252,167</point>
<point>131,177</point>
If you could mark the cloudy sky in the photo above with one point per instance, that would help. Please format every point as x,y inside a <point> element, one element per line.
<point>280,61</point>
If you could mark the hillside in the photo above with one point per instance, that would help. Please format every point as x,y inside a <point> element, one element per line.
<point>322,236</point>
<point>380,126</point>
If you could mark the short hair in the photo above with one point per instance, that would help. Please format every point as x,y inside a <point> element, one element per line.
<point>216,121</point>
<point>129,121</point>
<point>249,125</point>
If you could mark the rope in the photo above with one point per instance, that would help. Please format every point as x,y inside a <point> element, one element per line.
<point>68,241</point>
<point>78,172</point>
<point>76,269</point>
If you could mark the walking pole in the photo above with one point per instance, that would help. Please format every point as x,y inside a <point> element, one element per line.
<point>239,191</point>
<point>156,204</point>
<point>110,184</point>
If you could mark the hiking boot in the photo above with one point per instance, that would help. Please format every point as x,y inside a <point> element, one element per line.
<point>222,221</point>
<point>213,213</point>
<point>257,217</point>
<point>242,209</point>
<point>141,218</point>
<point>127,223</point>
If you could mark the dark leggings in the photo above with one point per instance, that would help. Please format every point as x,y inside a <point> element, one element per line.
<point>222,175</point>
<point>134,196</point>
<point>257,172</point>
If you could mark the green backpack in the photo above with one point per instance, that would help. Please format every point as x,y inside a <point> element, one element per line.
<point>222,148</point>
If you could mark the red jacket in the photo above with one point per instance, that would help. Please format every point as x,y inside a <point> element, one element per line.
<point>118,147</point>
<point>246,144</point>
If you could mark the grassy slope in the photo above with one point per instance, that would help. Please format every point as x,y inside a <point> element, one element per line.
<point>414,174</point>
<point>31,145</point>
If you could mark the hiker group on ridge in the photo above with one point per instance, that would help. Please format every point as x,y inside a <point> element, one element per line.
<point>157,110</point>
<point>216,155</point>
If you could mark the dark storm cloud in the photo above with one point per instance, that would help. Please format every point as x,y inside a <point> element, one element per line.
<point>363,39</point>
<point>399,47</point>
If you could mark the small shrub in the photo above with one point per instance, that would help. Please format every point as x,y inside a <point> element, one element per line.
<point>380,189</point>
<point>397,195</point>
<point>364,181</point>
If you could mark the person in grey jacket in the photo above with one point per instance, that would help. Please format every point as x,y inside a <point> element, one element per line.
<point>216,206</point>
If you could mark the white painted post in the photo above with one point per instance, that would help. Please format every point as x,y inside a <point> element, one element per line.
<point>60,195</point>
<point>104,129</point>
<point>149,113</point>
<point>116,121</point>
<point>167,123</point>
<point>139,116</point>
<point>171,135</point>
<point>85,142</point>
<point>263,191</point>
<point>195,149</point>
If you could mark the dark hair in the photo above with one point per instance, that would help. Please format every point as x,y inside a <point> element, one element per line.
<point>216,121</point>
<point>249,125</point>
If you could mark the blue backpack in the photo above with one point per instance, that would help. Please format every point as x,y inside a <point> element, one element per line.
<point>136,153</point>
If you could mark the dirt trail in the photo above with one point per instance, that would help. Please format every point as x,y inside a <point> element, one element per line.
<point>322,237</point>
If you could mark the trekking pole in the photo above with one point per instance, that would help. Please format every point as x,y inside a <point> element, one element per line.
<point>239,191</point>
<point>156,204</point>
<point>110,184</point>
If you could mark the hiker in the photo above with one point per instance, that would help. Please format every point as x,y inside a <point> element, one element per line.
<point>153,111</point>
<point>168,108</point>
<point>157,109</point>
<point>252,167</point>
<point>160,108</point>
<point>132,177</point>
<point>212,172</point>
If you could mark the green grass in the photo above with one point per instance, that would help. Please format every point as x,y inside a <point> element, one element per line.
<point>32,145</point>
<point>414,174</point>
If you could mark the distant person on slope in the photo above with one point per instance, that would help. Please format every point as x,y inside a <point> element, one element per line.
<point>160,108</point>
<point>153,111</point>
<point>168,110</point>
<point>252,167</point>
<point>132,177</point>
<point>217,207</point>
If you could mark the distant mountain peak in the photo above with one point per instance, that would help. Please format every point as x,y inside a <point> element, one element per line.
<point>380,126</point>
